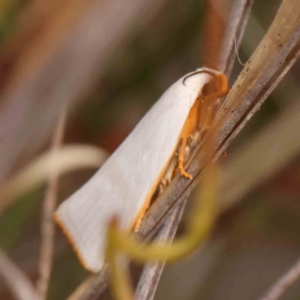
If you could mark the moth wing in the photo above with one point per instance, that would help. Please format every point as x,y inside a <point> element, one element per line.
<point>122,184</point>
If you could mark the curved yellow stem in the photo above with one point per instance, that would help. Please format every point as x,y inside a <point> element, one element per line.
<point>121,286</point>
<point>198,228</point>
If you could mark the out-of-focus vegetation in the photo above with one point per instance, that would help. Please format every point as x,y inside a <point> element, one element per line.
<point>253,244</point>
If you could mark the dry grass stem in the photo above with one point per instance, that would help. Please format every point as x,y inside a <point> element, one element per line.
<point>278,289</point>
<point>17,281</point>
<point>280,139</point>
<point>65,159</point>
<point>274,56</point>
<point>48,226</point>
<point>92,287</point>
<point>152,272</point>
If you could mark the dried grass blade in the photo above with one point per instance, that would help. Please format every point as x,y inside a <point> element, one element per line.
<point>17,281</point>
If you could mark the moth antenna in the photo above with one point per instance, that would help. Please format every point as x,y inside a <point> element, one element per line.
<point>199,71</point>
<point>237,53</point>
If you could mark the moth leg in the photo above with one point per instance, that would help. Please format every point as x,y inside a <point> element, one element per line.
<point>162,186</point>
<point>181,159</point>
<point>189,127</point>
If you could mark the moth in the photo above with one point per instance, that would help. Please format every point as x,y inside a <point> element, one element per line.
<point>142,166</point>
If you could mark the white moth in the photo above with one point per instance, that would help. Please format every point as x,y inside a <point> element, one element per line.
<point>124,185</point>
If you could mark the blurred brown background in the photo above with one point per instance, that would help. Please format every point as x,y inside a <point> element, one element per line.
<point>254,242</point>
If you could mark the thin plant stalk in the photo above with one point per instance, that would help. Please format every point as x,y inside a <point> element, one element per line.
<point>48,226</point>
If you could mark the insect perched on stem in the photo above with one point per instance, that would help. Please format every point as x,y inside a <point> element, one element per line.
<point>142,166</point>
